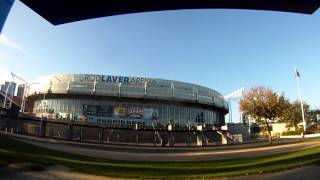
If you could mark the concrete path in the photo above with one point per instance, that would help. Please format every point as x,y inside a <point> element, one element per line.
<point>304,173</point>
<point>134,154</point>
<point>29,171</point>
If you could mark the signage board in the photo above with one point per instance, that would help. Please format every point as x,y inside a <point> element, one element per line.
<point>120,111</point>
<point>150,114</point>
<point>135,112</point>
<point>104,110</point>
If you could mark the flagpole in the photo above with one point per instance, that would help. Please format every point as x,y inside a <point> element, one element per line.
<point>301,103</point>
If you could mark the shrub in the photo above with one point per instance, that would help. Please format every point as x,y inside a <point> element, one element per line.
<point>290,133</point>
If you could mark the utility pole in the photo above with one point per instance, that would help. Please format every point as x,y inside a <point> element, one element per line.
<point>297,74</point>
<point>230,111</point>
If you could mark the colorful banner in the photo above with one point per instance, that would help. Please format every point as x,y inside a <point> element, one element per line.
<point>104,111</point>
<point>123,112</point>
<point>90,110</point>
<point>135,112</point>
<point>96,110</point>
<point>150,114</point>
<point>120,111</point>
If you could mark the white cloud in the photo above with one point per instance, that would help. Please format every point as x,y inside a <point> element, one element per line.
<point>6,42</point>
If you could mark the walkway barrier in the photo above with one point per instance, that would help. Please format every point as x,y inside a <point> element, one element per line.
<point>104,134</point>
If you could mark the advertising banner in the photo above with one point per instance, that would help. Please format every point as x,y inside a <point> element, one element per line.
<point>120,111</point>
<point>135,112</point>
<point>90,110</point>
<point>96,111</point>
<point>150,114</point>
<point>104,111</point>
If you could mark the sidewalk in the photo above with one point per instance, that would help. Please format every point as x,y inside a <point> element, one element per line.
<point>172,154</point>
<point>143,148</point>
<point>311,172</point>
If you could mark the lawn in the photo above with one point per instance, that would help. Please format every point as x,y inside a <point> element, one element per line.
<point>14,151</point>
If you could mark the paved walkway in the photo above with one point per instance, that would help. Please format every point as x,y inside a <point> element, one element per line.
<point>138,154</point>
<point>28,171</point>
<point>18,171</point>
<point>311,172</point>
<point>24,171</point>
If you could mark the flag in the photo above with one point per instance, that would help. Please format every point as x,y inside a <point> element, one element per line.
<point>297,73</point>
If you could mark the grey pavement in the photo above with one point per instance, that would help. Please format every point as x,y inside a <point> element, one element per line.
<point>26,172</point>
<point>134,154</point>
<point>29,171</point>
<point>311,172</point>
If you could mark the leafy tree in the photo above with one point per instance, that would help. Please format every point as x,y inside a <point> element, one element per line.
<point>264,105</point>
<point>293,115</point>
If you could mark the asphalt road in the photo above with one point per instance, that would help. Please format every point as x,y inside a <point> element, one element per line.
<point>144,154</point>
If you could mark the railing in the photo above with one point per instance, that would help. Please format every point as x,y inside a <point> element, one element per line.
<point>101,133</point>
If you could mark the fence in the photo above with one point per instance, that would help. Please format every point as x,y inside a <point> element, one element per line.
<point>97,133</point>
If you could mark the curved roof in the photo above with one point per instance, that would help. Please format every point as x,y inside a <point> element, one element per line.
<point>124,86</point>
<point>59,11</point>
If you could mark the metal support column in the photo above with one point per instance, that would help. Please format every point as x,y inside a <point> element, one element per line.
<point>70,134</point>
<point>42,128</point>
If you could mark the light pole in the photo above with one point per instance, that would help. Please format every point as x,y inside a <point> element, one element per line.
<point>230,111</point>
<point>254,100</point>
<point>297,74</point>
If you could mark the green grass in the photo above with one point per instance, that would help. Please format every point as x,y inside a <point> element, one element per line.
<point>15,151</point>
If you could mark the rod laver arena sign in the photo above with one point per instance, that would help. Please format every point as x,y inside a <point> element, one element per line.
<point>107,79</point>
<point>120,79</point>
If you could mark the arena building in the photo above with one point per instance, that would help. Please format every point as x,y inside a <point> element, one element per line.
<point>121,100</point>
<point>121,109</point>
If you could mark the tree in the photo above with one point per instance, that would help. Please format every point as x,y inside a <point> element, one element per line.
<point>293,115</point>
<point>264,105</point>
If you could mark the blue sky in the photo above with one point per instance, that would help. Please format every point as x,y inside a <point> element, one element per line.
<point>220,49</point>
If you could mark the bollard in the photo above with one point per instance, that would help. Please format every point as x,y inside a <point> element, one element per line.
<point>199,134</point>
<point>155,139</point>
<point>199,138</point>
<point>171,138</point>
<point>11,130</point>
<point>137,139</point>
<point>70,132</point>
<point>6,130</point>
<point>81,137</point>
<point>224,137</point>
<point>101,140</point>
<point>118,138</point>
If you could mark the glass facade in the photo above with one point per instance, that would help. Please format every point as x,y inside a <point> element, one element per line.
<point>175,114</point>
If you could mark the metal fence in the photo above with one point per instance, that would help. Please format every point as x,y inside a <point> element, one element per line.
<point>95,133</point>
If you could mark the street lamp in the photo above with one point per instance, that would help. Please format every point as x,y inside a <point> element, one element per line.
<point>297,75</point>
